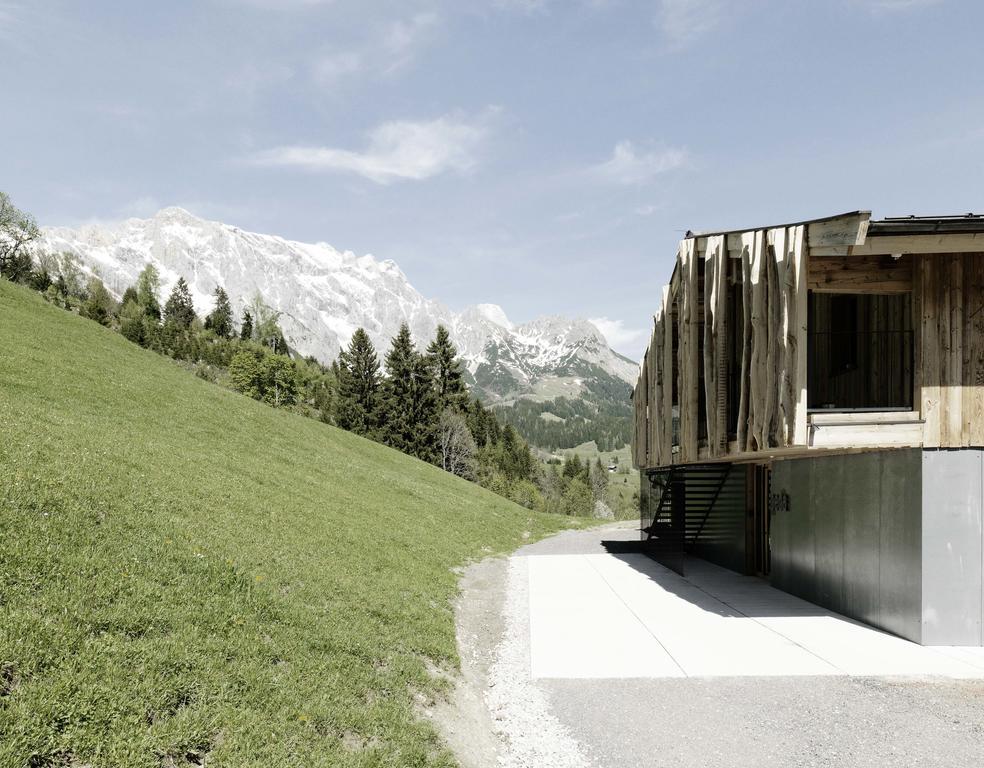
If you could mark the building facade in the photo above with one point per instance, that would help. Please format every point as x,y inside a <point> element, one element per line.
<point>811,409</point>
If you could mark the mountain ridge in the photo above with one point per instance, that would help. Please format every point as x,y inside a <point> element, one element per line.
<point>324,294</point>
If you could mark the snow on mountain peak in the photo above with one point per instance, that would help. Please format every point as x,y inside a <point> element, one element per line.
<point>323,294</point>
<point>494,314</point>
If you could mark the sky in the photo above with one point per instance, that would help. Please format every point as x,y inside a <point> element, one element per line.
<point>543,155</point>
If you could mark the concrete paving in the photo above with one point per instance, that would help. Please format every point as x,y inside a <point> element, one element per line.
<point>595,615</point>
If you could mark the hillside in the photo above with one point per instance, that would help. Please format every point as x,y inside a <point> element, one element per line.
<point>189,574</point>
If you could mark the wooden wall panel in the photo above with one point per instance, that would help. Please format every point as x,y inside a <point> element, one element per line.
<point>951,350</point>
<point>973,349</point>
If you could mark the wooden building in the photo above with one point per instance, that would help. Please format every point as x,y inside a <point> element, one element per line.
<point>811,409</point>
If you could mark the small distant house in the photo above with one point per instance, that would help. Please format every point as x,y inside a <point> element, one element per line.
<point>811,409</point>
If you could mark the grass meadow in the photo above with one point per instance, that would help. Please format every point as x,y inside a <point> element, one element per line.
<point>188,576</point>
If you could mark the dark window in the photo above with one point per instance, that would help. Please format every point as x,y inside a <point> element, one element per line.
<point>844,334</point>
<point>860,351</point>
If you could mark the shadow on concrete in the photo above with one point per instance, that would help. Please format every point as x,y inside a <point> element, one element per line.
<point>715,589</point>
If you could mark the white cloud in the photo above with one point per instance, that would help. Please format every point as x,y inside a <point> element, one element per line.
<point>619,337</point>
<point>331,67</point>
<point>397,151</point>
<point>402,40</point>
<point>391,49</point>
<point>629,165</point>
<point>682,22</point>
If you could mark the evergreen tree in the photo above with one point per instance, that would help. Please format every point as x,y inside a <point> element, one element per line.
<point>409,400</point>
<point>179,311</point>
<point>99,305</point>
<point>148,292</point>
<point>219,320</point>
<point>246,331</point>
<point>357,401</point>
<point>132,322</point>
<point>449,385</point>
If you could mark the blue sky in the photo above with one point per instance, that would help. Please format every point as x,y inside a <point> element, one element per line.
<point>543,155</point>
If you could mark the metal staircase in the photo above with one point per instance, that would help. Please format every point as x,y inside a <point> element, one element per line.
<point>682,500</point>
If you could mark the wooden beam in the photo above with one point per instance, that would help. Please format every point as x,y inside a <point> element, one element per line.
<point>971,242</point>
<point>927,327</point>
<point>860,274</point>
<point>851,229</point>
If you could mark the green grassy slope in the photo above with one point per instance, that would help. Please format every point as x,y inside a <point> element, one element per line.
<point>185,572</point>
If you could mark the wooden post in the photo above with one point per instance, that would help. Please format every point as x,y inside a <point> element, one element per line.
<point>799,339</point>
<point>666,448</point>
<point>688,351</point>
<point>744,408</point>
<point>715,343</point>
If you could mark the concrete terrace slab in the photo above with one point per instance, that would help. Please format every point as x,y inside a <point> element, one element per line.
<point>596,615</point>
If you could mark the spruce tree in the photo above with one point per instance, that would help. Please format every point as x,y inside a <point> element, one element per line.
<point>148,292</point>
<point>99,305</point>
<point>219,321</point>
<point>357,402</point>
<point>449,384</point>
<point>179,311</point>
<point>409,400</point>
<point>246,332</point>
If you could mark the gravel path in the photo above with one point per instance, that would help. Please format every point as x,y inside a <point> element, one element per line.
<point>501,717</point>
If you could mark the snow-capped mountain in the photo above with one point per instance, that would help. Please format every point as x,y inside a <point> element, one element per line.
<point>323,295</point>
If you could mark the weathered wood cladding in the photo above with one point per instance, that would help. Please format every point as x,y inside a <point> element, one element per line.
<point>772,370</point>
<point>951,303</point>
<point>759,366</point>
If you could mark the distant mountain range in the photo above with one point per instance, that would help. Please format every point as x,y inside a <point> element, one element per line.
<point>323,295</point>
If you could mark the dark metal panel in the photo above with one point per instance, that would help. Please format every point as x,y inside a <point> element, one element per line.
<point>952,547</point>
<point>829,484</point>
<point>850,537</point>
<point>861,540</point>
<point>900,546</point>
<point>793,548</point>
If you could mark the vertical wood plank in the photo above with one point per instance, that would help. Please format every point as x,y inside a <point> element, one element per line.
<point>654,415</point>
<point>930,351</point>
<point>954,400</point>
<point>666,447</point>
<point>688,351</point>
<point>915,322</point>
<point>974,339</point>
<point>799,329</point>
<point>715,310</point>
<point>758,366</point>
<point>744,408</point>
